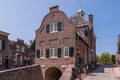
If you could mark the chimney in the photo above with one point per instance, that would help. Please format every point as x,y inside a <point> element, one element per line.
<point>91,18</point>
<point>54,8</point>
<point>91,21</point>
<point>31,41</point>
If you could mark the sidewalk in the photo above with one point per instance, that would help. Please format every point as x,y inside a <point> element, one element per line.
<point>104,72</point>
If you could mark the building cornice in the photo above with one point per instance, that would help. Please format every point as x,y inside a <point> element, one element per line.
<point>4,33</point>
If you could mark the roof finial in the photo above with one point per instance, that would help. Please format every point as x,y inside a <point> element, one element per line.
<point>80,4</point>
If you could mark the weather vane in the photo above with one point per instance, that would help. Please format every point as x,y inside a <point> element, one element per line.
<point>80,4</point>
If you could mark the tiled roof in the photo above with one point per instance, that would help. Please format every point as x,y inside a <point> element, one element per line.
<point>78,19</point>
<point>83,38</point>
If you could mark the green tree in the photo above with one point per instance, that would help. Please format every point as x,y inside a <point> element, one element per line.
<point>97,58</point>
<point>105,58</point>
<point>113,58</point>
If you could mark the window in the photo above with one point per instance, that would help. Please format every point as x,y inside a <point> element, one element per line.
<point>38,54</point>
<point>15,60</point>
<point>41,53</point>
<point>3,44</point>
<point>53,27</point>
<point>0,44</point>
<point>17,47</point>
<point>83,32</point>
<point>66,52</point>
<point>21,60</point>
<point>0,59</point>
<point>53,53</point>
<point>23,49</point>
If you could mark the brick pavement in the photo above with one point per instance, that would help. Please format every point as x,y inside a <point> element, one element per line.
<point>104,72</point>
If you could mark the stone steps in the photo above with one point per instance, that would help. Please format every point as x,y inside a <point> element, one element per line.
<point>67,74</point>
<point>116,72</point>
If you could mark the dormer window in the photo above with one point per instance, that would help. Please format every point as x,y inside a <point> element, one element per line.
<point>84,32</point>
<point>17,47</point>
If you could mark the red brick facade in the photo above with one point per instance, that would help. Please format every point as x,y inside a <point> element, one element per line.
<point>118,52</point>
<point>59,35</point>
<point>14,53</point>
<point>5,55</point>
<point>21,54</point>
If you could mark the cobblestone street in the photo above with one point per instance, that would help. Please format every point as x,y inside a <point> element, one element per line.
<point>104,72</point>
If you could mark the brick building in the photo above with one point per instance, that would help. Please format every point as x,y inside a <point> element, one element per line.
<point>61,41</point>
<point>5,52</point>
<point>118,52</point>
<point>14,53</point>
<point>21,54</point>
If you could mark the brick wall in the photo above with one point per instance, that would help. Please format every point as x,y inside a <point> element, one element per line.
<point>24,73</point>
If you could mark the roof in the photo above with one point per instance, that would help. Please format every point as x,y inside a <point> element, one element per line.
<point>82,38</point>
<point>78,20</point>
<point>32,46</point>
<point>11,42</point>
<point>4,33</point>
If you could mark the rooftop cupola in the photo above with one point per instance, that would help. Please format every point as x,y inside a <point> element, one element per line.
<point>81,13</point>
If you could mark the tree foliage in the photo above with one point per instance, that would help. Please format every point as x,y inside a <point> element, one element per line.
<point>97,58</point>
<point>105,58</point>
<point>113,58</point>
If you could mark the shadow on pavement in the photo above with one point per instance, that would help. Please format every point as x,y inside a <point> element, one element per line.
<point>102,67</point>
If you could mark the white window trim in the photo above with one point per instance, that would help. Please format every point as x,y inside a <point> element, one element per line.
<point>43,54</point>
<point>43,66</point>
<point>17,47</point>
<point>53,57</point>
<point>53,30</point>
<point>64,52</point>
<point>23,48</point>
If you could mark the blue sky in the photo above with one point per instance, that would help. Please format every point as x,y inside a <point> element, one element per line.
<point>22,17</point>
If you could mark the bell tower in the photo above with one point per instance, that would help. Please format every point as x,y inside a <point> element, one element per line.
<point>80,12</point>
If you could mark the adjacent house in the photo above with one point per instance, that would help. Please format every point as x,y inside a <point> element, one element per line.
<point>5,52</point>
<point>21,53</point>
<point>14,53</point>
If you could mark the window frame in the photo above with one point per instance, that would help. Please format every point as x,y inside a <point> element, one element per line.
<point>53,53</point>
<point>42,52</point>
<point>18,47</point>
<point>66,56</point>
<point>21,60</point>
<point>0,59</point>
<point>53,27</point>
<point>23,49</point>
